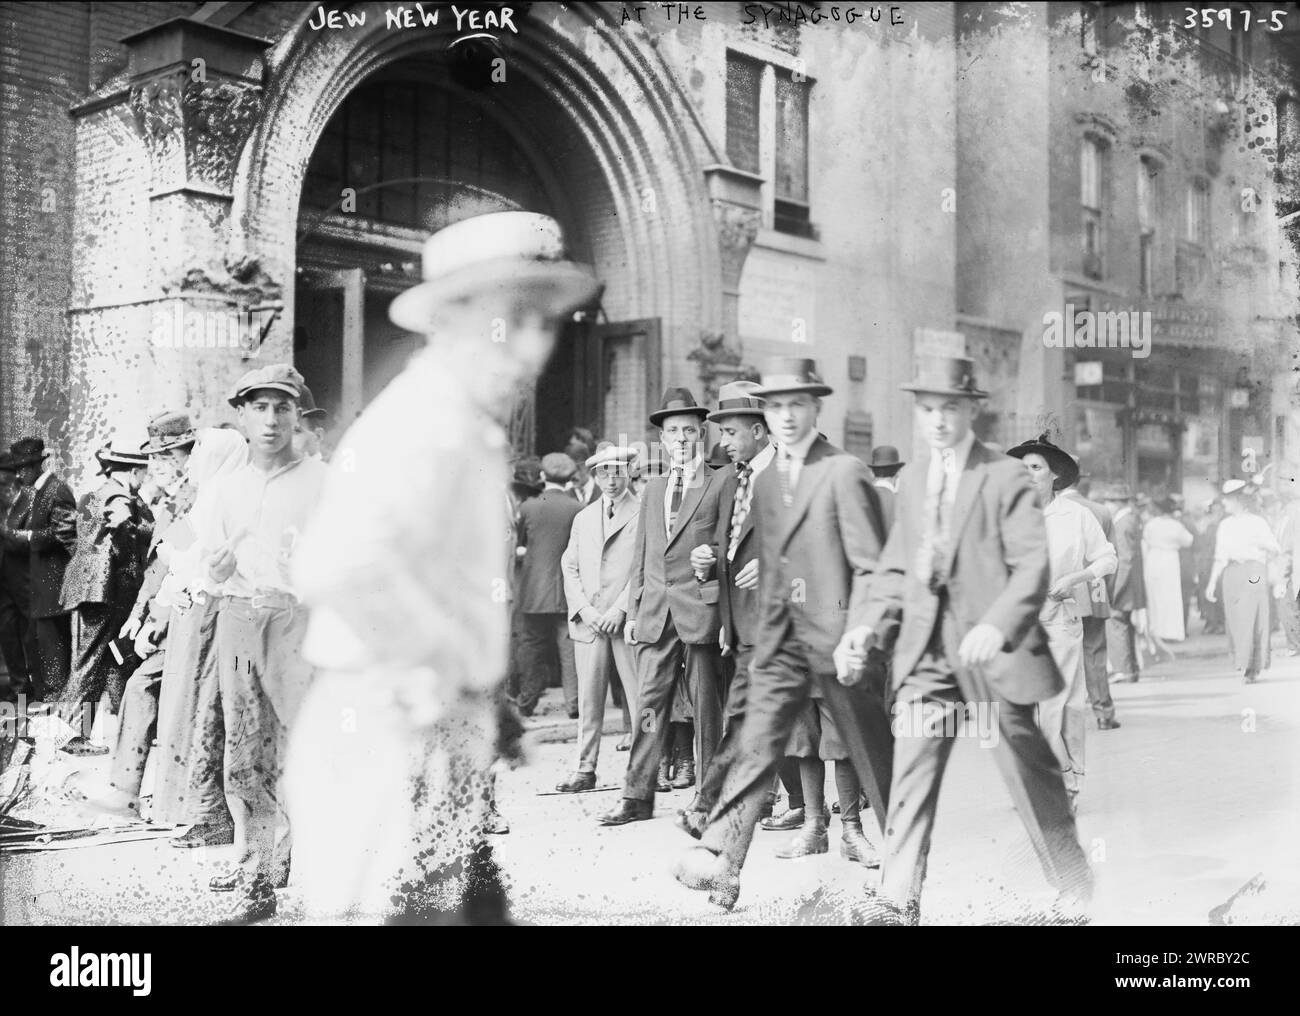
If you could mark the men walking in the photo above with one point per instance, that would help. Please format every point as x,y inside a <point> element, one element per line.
<point>544,524</point>
<point>1128,592</point>
<point>820,534</point>
<point>597,565</point>
<point>672,617</point>
<point>885,465</point>
<point>966,571</point>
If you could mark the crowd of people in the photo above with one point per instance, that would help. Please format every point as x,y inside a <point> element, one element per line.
<point>279,635</point>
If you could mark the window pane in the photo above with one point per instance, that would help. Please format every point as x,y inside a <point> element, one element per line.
<point>1090,174</point>
<point>744,78</point>
<point>791,137</point>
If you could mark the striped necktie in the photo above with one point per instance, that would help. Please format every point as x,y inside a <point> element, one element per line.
<point>675,505</point>
<point>783,474</point>
<point>740,507</point>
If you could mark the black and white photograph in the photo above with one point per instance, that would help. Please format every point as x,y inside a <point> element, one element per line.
<point>668,464</point>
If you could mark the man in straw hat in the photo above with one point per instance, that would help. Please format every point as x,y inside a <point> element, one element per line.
<point>672,615</point>
<point>49,535</point>
<point>113,532</point>
<point>965,571</point>
<point>820,535</point>
<point>597,566</point>
<point>409,585</point>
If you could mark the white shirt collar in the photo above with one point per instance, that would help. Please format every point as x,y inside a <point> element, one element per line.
<point>961,452</point>
<point>690,468</point>
<point>763,459</point>
<point>799,450</point>
<point>43,479</point>
<point>606,502</point>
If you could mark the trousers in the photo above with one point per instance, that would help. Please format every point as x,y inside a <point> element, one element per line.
<point>594,662</point>
<point>1094,667</point>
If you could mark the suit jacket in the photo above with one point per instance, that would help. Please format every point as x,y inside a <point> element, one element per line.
<point>16,562</point>
<point>1128,585</point>
<point>108,564</point>
<point>997,569</point>
<point>53,523</point>
<point>597,566</point>
<point>738,609</point>
<point>544,524</point>
<point>662,577</point>
<point>818,559</point>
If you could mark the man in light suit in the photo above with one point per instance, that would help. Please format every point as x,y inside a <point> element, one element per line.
<point>672,616</point>
<point>966,567</point>
<point>820,534</point>
<point>597,565</point>
<point>1128,591</point>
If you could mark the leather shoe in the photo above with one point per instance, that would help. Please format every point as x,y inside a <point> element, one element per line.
<point>790,819</point>
<point>256,905</point>
<point>205,834</point>
<point>700,868</point>
<point>807,841</point>
<point>629,810</point>
<point>691,822</point>
<point>662,785</point>
<point>577,783</point>
<point>1108,724</point>
<point>685,777</point>
<point>856,847</point>
<point>83,746</point>
<point>234,879</point>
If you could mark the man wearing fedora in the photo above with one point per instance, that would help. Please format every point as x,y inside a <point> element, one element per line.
<point>597,566</point>
<point>885,464</point>
<point>672,613</point>
<point>409,587</point>
<point>1128,592</point>
<point>820,535</point>
<point>49,535</point>
<point>965,573</point>
<point>17,636</point>
<point>101,583</point>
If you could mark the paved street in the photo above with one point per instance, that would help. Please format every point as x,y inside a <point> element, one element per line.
<point>1195,794</point>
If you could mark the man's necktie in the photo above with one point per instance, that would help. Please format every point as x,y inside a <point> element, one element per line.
<point>934,540</point>
<point>783,474</point>
<point>610,513</point>
<point>740,507</point>
<point>675,505</point>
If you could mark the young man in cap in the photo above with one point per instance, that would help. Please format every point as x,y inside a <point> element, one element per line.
<point>409,585</point>
<point>248,534</point>
<point>101,583</point>
<point>544,524</point>
<point>885,464</point>
<point>820,535</point>
<point>965,571</point>
<point>49,535</point>
<point>597,566</point>
<point>672,615</point>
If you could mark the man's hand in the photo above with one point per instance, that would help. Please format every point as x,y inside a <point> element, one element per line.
<point>747,577</point>
<point>611,621</point>
<point>590,616</point>
<point>850,655</point>
<point>145,644</point>
<point>130,629</point>
<point>703,558</point>
<point>1279,590</point>
<point>1209,595</point>
<point>629,633</point>
<point>722,642</point>
<point>980,646</point>
<point>221,565</point>
<point>1063,588</point>
<point>116,513</point>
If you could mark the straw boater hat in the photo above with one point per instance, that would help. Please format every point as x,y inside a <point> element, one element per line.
<point>737,398</point>
<point>784,374</point>
<point>677,402</point>
<point>169,429</point>
<point>885,460</point>
<point>493,252</point>
<point>945,375</point>
<point>1058,459</point>
<point>122,453</point>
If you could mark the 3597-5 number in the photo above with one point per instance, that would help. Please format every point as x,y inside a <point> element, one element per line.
<point>1232,18</point>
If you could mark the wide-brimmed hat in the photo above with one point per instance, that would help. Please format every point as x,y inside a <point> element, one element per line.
<point>1058,459</point>
<point>489,252</point>
<point>677,402</point>
<point>169,429</point>
<point>279,377</point>
<point>737,398</point>
<point>1239,489</point>
<point>1113,492</point>
<point>123,452</point>
<point>784,374</point>
<point>945,375</point>
<point>307,403</point>
<point>608,452</point>
<point>27,451</point>
<point>885,460</point>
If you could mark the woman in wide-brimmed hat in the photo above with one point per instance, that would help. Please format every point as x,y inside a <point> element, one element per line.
<point>1242,551</point>
<point>1163,539</point>
<point>1078,555</point>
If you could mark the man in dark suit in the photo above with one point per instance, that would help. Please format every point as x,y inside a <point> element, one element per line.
<point>544,525</point>
<point>672,615</point>
<point>50,536</point>
<point>1128,592</point>
<point>17,637</point>
<point>1094,625</point>
<point>966,567</point>
<point>885,464</point>
<point>820,534</point>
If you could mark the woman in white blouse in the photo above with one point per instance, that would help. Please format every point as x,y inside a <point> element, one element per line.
<point>1241,553</point>
<point>1079,554</point>
<point>1163,538</point>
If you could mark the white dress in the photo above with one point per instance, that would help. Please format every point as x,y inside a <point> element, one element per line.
<point>1162,538</point>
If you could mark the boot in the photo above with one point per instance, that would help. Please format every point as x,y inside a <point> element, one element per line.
<point>685,777</point>
<point>811,839</point>
<point>663,786</point>
<point>855,847</point>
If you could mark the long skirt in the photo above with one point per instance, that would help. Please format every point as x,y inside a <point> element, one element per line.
<point>1245,595</point>
<point>188,657</point>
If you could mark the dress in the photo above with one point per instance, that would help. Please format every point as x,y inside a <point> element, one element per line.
<point>1162,539</point>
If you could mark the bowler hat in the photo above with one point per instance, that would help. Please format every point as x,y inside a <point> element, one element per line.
<point>737,398</point>
<point>1058,459</point>
<point>278,377</point>
<point>169,429</point>
<point>790,374</point>
<point>27,451</point>
<point>490,252</point>
<point>677,402</point>
<point>885,460</point>
<point>945,375</point>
